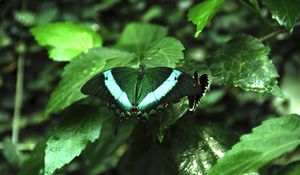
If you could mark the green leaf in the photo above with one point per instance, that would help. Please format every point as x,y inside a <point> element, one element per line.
<point>80,71</point>
<point>270,140</point>
<point>165,52</point>
<point>196,145</point>
<point>203,12</point>
<point>286,12</point>
<point>81,125</point>
<point>107,151</point>
<point>243,62</point>
<point>66,40</point>
<point>150,45</point>
<point>34,165</point>
<point>138,37</point>
<point>11,153</point>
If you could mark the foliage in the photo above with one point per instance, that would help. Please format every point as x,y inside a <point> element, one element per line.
<point>64,132</point>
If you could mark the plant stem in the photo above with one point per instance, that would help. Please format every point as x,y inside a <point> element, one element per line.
<point>276,32</point>
<point>18,100</point>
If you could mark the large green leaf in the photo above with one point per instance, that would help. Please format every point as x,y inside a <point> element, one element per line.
<point>197,145</point>
<point>203,12</point>
<point>80,71</point>
<point>165,52</point>
<point>106,152</point>
<point>268,141</point>
<point>243,62</point>
<point>66,40</point>
<point>137,37</point>
<point>81,125</point>
<point>286,12</point>
<point>150,45</point>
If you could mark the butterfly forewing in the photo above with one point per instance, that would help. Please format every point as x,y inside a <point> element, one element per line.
<point>113,86</point>
<point>165,85</point>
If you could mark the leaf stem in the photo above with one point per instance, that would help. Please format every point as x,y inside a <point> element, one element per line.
<point>276,32</point>
<point>18,100</point>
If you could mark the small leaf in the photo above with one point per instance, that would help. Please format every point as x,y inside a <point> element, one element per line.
<point>165,52</point>
<point>11,153</point>
<point>107,151</point>
<point>80,71</point>
<point>243,62</point>
<point>197,145</point>
<point>270,140</point>
<point>66,40</point>
<point>286,12</point>
<point>203,12</point>
<point>137,37</point>
<point>80,126</point>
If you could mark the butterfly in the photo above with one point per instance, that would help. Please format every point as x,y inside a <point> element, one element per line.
<point>143,92</point>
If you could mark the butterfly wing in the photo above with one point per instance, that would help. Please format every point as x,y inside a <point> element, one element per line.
<point>164,85</point>
<point>115,85</point>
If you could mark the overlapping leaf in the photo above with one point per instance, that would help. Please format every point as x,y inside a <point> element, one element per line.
<point>286,12</point>
<point>244,62</point>
<point>196,146</point>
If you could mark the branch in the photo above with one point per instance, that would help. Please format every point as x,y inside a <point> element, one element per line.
<point>18,100</point>
<point>275,33</point>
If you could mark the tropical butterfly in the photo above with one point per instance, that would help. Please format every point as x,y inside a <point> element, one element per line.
<point>142,92</point>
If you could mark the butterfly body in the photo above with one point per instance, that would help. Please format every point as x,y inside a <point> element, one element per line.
<point>141,92</point>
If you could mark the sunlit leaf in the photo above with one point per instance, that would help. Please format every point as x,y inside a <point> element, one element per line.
<point>202,13</point>
<point>243,62</point>
<point>165,52</point>
<point>66,40</point>
<point>138,37</point>
<point>268,141</point>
